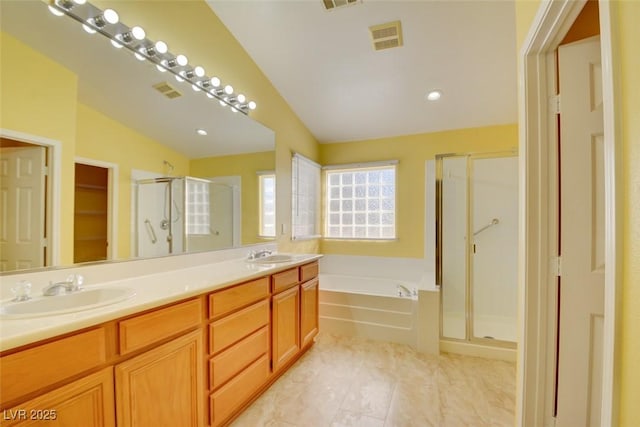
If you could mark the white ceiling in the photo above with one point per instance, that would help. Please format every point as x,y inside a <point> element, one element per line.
<point>323,63</point>
<point>113,82</point>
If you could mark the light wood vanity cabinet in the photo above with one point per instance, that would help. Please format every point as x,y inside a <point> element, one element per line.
<point>196,362</point>
<point>84,402</point>
<point>238,356</point>
<point>309,326</point>
<point>163,386</point>
<point>286,327</point>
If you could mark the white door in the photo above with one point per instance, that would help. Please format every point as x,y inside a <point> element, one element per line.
<point>581,235</point>
<point>22,213</point>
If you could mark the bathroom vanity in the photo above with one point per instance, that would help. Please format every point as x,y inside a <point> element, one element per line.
<point>191,358</point>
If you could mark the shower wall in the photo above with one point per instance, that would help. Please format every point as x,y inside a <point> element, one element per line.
<point>479,221</point>
<point>159,213</point>
<point>495,259</point>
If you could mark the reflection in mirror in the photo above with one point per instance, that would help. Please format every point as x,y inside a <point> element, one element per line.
<point>24,204</point>
<point>102,107</point>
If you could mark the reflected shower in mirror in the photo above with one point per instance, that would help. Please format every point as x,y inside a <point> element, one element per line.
<point>103,107</point>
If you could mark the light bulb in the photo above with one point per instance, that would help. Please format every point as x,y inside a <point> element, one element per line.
<point>224,104</point>
<point>228,89</point>
<point>215,82</point>
<point>160,68</point>
<point>252,105</point>
<point>161,47</point>
<point>209,95</point>
<point>79,1</point>
<point>195,88</point>
<point>199,71</point>
<point>233,109</point>
<point>178,78</point>
<point>88,29</point>
<point>139,56</point>
<point>111,16</point>
<point>138,33</point>
<point>55,11</point>
<point>201,132</point>
<point>241,98</point>
<point>182,60</point>
<point>116,44</point>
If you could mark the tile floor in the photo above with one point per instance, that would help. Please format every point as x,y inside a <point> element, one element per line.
<point>344,381</point>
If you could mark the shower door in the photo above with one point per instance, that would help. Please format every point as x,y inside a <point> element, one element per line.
<point>477,220</point>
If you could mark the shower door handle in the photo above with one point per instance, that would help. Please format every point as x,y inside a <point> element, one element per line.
<point>150,231</point>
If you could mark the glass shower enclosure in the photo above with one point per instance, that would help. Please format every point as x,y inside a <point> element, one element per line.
<point>183,214</point>
<point>477,247</point>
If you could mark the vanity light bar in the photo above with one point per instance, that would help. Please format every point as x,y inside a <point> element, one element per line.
<point>107,23</point>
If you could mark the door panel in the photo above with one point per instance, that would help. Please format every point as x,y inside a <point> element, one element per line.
<point>23,207</point>
<point>581,236</point>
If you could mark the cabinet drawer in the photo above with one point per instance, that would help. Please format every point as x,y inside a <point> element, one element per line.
<point>140,331</point>
<point>237,297</point>
<point>284,279</point>
<point>226,401</point>
<point>47,364</point>
<point>308,271</point>
<point>231,329</point>
<point>233,360</point>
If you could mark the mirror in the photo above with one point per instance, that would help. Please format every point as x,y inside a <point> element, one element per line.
<point>130,127</point>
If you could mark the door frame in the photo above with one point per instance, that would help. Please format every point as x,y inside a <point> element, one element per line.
<point>538,216</point>
<point>53,190</point>
<point>112,201</point>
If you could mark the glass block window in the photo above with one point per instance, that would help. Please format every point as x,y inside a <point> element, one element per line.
<point>305,202</point>
<point>361,202</point>
<point>198,217</point>
<point>267,187</point>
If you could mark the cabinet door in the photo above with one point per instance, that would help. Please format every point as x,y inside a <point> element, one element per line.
<point>163,386</point>
<point>286,326</point>
<point>85,402</point>
<point>309,311</point>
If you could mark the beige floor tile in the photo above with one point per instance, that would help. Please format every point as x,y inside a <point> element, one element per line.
<point>353,419</point>
<point>343,381</point>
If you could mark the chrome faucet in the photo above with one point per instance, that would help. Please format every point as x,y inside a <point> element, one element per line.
<point>72,284</point>
<point>259,254</point>
<point>406,290</point>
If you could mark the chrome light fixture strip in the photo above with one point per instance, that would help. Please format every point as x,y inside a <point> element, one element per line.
<point>93,19</point>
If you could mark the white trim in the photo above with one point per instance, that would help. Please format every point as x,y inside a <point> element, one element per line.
<point>55,172</point>
<point>112,217</point>
<point>613,215</point>
<point>363,165</point>
<point>549,26</point>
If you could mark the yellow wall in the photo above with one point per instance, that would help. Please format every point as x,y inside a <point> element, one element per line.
<point>38,97</point>
<point>627,33</point>
<point>191,27</point>
<point>245,166</point>
<point>626,63</point>
<point>101,138</point>
<point>412,151</point>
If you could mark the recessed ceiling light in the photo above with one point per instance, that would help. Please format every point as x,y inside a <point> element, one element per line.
<point>433,95</point>
<point>201,132</point>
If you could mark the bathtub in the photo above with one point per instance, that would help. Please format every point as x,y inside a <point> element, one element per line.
<point>368,307</point>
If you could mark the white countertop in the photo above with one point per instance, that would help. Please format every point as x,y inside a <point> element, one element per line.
<point>151,291</point>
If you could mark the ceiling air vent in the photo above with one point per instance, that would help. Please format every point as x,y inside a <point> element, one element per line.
<point>332,4</point>
<point>385,36</point>
<point>167,90</point>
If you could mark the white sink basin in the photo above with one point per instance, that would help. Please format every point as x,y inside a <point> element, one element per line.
<point>67,303</point>
<point>273,259</point>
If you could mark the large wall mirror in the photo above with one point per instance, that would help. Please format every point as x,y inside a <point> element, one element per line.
<point>144,165</point>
